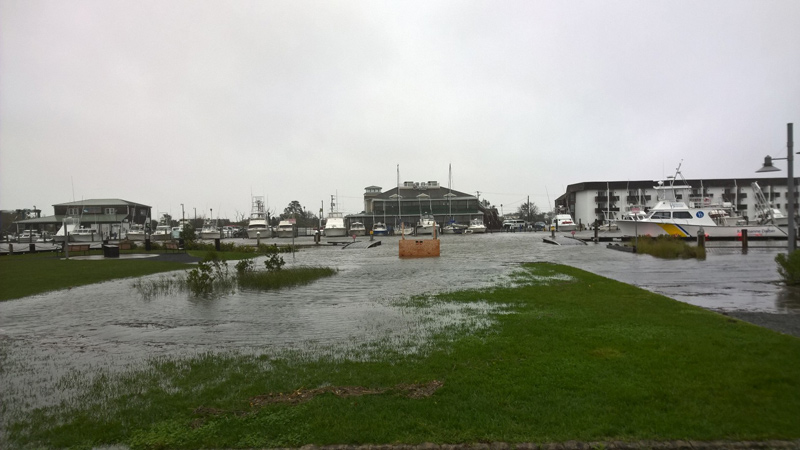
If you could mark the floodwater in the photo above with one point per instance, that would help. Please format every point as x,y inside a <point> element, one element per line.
<point>111,326</point>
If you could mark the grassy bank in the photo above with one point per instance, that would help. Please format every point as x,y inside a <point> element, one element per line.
<point>31,274</point>
<point>569,355</point>
<point>669,247</point>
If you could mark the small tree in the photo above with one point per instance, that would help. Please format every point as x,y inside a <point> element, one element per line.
<point>188,233</point>
<point>789,267</point>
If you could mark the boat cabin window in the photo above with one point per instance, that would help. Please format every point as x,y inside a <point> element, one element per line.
<point>681,215</point>
<point>660,215</point>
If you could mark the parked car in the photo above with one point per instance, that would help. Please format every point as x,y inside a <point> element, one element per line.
<point>539,226</point>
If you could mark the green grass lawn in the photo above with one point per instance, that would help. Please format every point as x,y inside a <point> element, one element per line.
<point>569,356</point>
<point>29,274</point>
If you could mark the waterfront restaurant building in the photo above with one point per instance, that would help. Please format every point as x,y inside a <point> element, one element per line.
<point>109,217</point>
<point>602,201</point>
<point>406,203</point>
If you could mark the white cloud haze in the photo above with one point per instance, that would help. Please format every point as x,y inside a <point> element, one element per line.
<point>202,103</point>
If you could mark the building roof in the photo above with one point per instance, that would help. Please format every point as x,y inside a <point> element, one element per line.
<point>101,202</point>
<point>412,193</point>
<point>86,219</point>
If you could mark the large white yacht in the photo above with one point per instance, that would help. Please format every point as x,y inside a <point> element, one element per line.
<point>334,225</point>
<point>258,226</point>
<point>673,216</point>
<point>425,225</point>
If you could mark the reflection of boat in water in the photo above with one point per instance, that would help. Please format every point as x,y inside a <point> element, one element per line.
<point>357,229</point>
<point>672,216</point>
<point>285,229</point>
<point>259,222</point>
<point>476,226</point>
<point>425,225</point>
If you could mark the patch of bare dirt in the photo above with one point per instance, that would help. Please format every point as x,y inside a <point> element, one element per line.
<point>417,390</point>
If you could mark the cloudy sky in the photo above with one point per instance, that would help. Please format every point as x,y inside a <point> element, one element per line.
<point>205,103</point>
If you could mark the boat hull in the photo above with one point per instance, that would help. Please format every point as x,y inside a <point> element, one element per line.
<point>359,232</point>
<point>262,232</point>
<point>335,232</point>
<point>210,235</point>
<point>160,236</point>
<point>135,236</point>
<point>652,228</point>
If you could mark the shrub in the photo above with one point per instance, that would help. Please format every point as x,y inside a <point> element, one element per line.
<point>669,247</point>
<point>789,267</point>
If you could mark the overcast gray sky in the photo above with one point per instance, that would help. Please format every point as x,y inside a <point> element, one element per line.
<point>204,103</point>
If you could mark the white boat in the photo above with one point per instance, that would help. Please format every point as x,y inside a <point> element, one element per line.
<point>672,216</point>
<point>285,229</point>
<point>334,226</point>
<point>136,233</point>
<point>476,226</point>
<point>210,230</point>
<point>163,231</point>
<point>28,236</point>
<point>379,229</point>
<point>68,226</point>
<point>258,226</point>
<point>403,229</point>
<point>358,229</point>
<point>84,235</point>
<point>765,212</point>
<point>425,225</point>
<point>454,228</point>
<point>563,222</point>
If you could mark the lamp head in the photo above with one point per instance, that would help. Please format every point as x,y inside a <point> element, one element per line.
<point>768,167</point>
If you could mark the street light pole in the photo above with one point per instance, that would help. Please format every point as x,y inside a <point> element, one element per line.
<point>790,189</point>
<point>768,167</point>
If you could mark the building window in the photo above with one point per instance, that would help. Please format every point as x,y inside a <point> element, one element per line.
<point>73,211</point>
<point>111,210</point>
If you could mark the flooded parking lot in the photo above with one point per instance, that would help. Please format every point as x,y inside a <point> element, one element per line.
<point>110,326</point>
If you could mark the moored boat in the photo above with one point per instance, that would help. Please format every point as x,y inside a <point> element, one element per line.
<point>258,226</point>
<point>563,222</point>
<point>357,229</point>
<point>285,229</point>
<point>425,225</point>
<point>136,233</point>
<point>163,231</point>
<point>210,230</point>
<point>454,228</point>
<point>672,216</point>
<point>379,229</point>
<point>476,226</point>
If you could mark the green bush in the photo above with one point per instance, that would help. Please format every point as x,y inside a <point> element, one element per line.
<point>669,247</point>
<point>789,267</point>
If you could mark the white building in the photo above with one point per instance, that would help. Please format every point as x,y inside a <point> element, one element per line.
<point>592,201</point>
